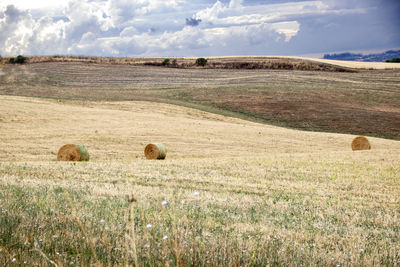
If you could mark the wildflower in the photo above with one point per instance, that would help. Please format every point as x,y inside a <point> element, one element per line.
<point>362,250</point>
<point>149,226</point>
<point>102,221</point>
<point>165,237</point>
<point>147,246</point>
<point>14,260</point>
<point>196,194</point>
<point>164,203</point>
<point>302,249</point>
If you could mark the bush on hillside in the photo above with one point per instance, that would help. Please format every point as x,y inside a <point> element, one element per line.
<point>394,60</point>
<point>165,62</point>
<point>19,60</point>
<point>201,61</point>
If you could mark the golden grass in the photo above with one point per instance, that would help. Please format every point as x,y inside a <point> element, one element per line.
<point>304,193</point>
<point>341,63</point>
<point>33,130</point>
<point>190,61</point>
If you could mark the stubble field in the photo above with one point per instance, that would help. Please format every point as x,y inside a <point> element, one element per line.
<point>231,192</point>
<point>363,102</point>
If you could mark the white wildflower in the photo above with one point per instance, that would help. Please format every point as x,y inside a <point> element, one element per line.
<point>102,221</point>
<point>164,203</point>
<point>165,237</point>
<point>196,194</point>
<point>149,226</point>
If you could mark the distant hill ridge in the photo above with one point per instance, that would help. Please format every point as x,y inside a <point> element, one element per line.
<point>379,57</point>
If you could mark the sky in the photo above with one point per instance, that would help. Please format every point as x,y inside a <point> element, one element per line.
<point>173,28</point>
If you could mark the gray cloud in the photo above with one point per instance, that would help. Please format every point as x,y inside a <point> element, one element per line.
<point>192,21</point>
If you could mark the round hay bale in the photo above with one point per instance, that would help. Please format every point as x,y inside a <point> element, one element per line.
<point>360,143</point>
<point>155,151</point>
<point>72,152</point>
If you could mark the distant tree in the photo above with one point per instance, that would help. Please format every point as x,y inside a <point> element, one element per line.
<point>166,62</point>
<point>174,63</point>
<point>201,61</point>
<point>394,60</point>
<point>19,60</point>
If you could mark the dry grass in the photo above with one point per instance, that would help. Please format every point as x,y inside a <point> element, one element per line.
<point>34,129</point>
<point>363,103</point>
<point>238,193</point>
<point>229,62</point>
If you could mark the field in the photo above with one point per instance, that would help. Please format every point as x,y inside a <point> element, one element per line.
<point>364,102</point>
<point>231,192</point>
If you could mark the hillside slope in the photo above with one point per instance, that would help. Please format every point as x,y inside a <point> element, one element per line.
<point>364,102</point>
<point>33,129</point>
<point>230,192</point>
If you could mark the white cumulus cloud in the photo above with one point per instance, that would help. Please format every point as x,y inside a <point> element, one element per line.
<point>184,28</point>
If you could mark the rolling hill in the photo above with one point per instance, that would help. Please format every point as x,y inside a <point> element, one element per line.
<point>259,169</point>
<point>229,192</point>
<point>294,93</point>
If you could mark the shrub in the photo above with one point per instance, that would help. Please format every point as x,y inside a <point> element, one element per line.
<point>165,62</point>
<point>201,61</point>
<point>19,60</point>
<point>394,60</point>
<point>174,63</point>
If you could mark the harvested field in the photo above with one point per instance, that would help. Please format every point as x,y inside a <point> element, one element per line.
<point>231,192</point>
<point>229,62</point>
<point>365,102</point>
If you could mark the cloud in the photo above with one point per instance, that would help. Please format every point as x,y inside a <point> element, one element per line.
<point>166,27</point>
<point>192,21</point>
<point>14,27</point>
